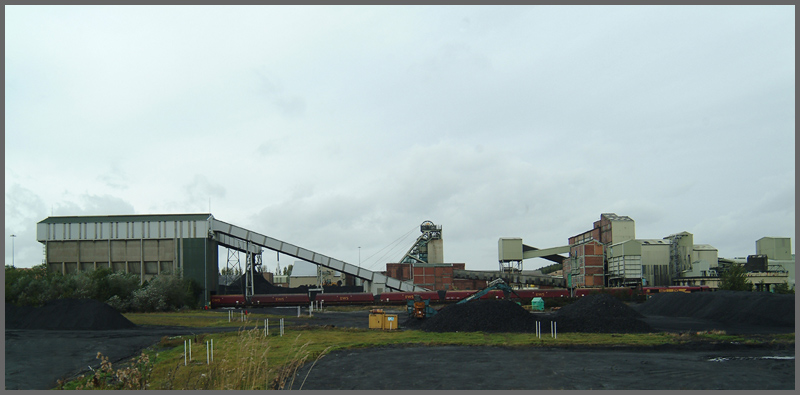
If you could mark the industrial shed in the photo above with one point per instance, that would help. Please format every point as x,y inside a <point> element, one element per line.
<point>146,245</point>
<point>182,244</point>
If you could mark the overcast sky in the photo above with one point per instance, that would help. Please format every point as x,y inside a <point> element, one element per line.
<point>335,128</point>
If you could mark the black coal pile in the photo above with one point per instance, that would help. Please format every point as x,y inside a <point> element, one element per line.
<point>480,316</point>
<point>730,307</point>
<point>600,313</point>
<point>67,314</point>
<point>591,314</point>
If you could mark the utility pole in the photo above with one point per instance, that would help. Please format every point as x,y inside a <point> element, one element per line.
<point>12,249</point>
<point>359,256</point>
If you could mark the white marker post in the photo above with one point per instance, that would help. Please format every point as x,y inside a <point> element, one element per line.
<point>208,354</point>
<point>555,329</point>
<point>184,352</point>
<point>212,350</point>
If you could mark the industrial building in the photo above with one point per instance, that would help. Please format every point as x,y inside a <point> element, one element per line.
<point>610,255</point>
<point>176,244</point>
<point>187,245</point>
<point>423,264</point>
<point>146,245</point>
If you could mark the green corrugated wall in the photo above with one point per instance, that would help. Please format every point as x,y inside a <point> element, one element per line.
<point>196,259</point>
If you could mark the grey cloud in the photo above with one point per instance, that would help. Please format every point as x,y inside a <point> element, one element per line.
<point>288,104</point>
<point>88,204</point>
<point>114,178</point>
<point>202,186</point>
<point>22,206</point>
<point>291,106</point>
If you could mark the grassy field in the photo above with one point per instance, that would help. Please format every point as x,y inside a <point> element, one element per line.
<point>247,359</point>
<point>199,318</point>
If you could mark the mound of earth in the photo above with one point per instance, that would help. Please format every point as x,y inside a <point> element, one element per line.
<point>67,314</point>
<point>600,313</point>
<point>591,314</point>
<point>730,307</point>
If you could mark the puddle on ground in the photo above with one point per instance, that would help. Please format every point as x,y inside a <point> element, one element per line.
<point>723,359</point>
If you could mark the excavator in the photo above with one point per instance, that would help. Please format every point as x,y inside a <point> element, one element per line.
<point>419,308</point>
<point>498,284</point>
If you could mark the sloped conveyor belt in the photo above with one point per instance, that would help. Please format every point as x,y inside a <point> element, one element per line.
<point>311,256</point>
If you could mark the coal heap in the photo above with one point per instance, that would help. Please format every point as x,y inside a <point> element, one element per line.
<point>67,314</point>
<point>730,307</point>
<point>600,313</point>
<point>591,314</point>
<point>481,315</point>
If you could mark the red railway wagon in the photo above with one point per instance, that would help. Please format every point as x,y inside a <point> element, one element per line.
<point>686,289</point>
<point>356,298</point>
<point>227,300</point>
<point>542,293</point>
<point>455,296</point>
<point>591,291</point>
<point>280,300</point>
<point>402,297</point>
<point>496,294</point>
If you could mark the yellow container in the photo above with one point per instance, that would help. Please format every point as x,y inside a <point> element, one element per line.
<point>376,321</point>
<point>390,321</point>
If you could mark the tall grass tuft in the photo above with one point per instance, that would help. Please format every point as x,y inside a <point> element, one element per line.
<point>135,377</point>
<point>242,362</point>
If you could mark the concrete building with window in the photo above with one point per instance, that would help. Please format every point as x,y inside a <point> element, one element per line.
<point>145,245</point>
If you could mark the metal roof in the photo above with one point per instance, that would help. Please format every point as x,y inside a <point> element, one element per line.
<point>126,218</point>
<point>615,217</point>
<point>704,247</point>
<point>655,241</point>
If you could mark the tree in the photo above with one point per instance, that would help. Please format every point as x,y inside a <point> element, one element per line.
<point>783,288</point>
<point>234,271</point>
<point>287,271</point>
<point>734,278</point>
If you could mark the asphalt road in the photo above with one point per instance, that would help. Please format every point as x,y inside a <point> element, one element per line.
<point>494,368</point>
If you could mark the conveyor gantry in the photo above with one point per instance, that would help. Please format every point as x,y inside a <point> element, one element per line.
<point>224,228</point>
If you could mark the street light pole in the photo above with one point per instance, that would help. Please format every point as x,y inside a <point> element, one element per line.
<point>12,249</point>
<point>359,256</point>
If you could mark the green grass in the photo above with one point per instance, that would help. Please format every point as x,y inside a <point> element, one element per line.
<point>201,318</point>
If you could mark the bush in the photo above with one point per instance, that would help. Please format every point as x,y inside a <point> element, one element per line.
<point>164,293</point>
<point>734,278</point>
<point>147,299</point>
<point>783,288</point>
<point>122,291</point>
<point>27,287</point>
